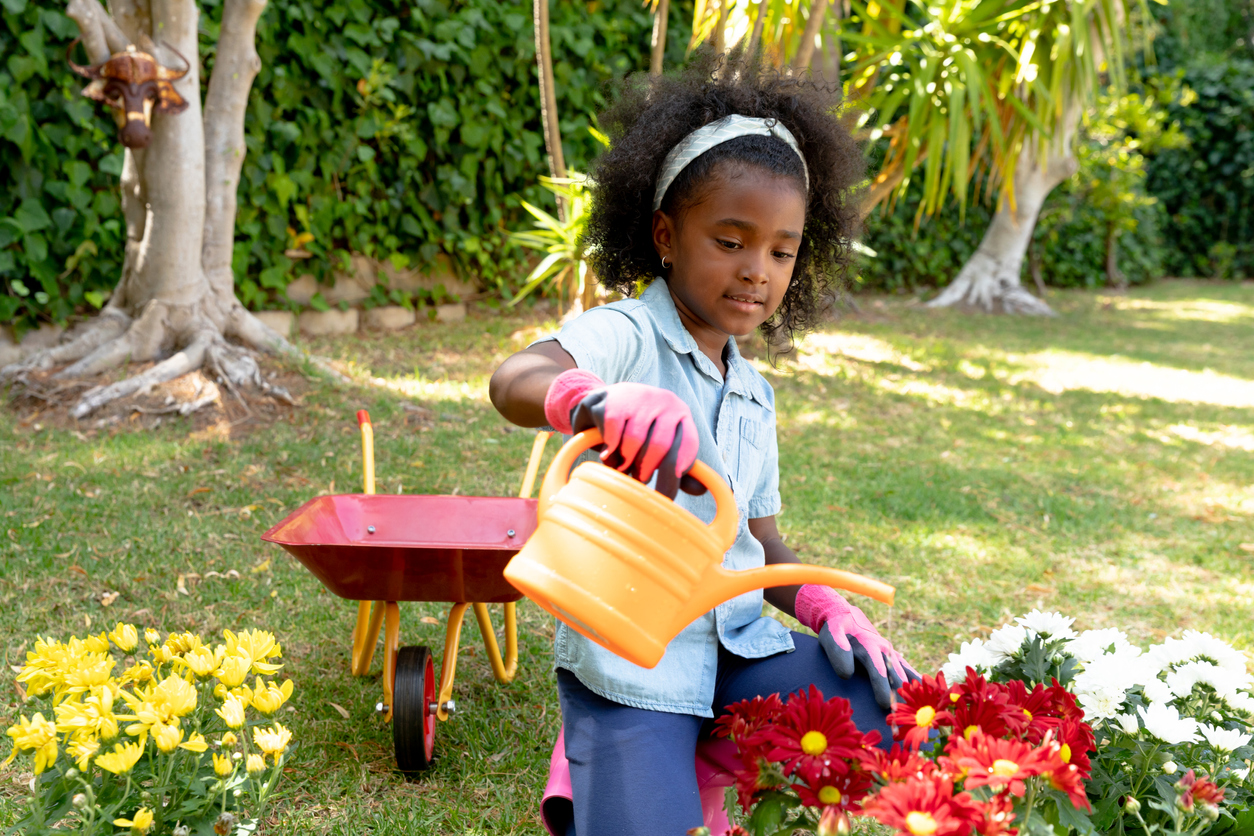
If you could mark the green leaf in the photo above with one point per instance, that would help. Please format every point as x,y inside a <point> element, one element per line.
<point>95,298</point>
<point>31,216</point>
<point>14,6</point>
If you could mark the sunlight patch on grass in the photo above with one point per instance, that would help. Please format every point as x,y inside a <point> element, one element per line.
<point>1232,437</point>
<point>475,391</point>
<point>933,392</point>
<point>1061,371</point>
<point>1199,310</point>
<point>862,347</point>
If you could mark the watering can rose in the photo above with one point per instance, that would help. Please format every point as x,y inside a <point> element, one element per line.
<point>145,738</point>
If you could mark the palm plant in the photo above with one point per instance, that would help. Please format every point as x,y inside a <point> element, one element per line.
<point>993,88</point>
<point>563,267</point>
<point>785,30</point>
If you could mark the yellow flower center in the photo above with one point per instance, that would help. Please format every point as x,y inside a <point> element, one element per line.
<point>814,743</point>
<point>968,731</point>
<point>953,697</point>
<point>924,716</point>
<point>1027,714</point>
<point>829,795</point>
<point>1003,768</point>
<point>920,823</point>
<point>1065,753</point>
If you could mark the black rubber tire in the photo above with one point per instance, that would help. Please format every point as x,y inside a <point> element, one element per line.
<point>413,724</point>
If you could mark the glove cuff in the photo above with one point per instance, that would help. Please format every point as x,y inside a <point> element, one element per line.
<point>565,393</point>
<point>815,603</point>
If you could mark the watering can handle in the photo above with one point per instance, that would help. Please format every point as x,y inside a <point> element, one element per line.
<point>725,524</point>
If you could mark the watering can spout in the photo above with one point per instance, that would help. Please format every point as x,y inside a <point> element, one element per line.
<point>722,584</point>
<point>628,568</point>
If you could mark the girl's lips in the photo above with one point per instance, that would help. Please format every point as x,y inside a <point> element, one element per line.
<point>745,304</point>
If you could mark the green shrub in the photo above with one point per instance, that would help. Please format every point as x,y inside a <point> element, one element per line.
<point>402,130</point>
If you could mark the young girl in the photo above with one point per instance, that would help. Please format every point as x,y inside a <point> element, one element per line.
<point>731,198</point>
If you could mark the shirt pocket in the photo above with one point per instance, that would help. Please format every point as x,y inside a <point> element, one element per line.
<point>750,456</point>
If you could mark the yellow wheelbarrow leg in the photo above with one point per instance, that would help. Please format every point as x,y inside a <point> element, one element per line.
<point>366,635</point>
<point>448,667</point>
<point>503,670</point>
<point>391,645</point>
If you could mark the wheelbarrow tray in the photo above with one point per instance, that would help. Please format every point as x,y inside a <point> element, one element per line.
<point>422,548</point>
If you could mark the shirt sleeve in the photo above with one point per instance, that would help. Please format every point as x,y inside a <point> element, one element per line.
<point>765,501</point>
<point>610,341</point>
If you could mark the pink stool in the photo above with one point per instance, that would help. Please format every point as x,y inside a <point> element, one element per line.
<point>715,764</point>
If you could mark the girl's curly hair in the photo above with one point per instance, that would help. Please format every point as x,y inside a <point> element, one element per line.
<point>653,114</point>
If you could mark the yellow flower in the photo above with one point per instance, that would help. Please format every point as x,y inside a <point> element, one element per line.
<point>233,670</point>
<point>91,716</point>
<point>232,713</point>
<point>175,695</point>
<point>97,644</point>
<point>183,642</point>
<point>202,661</point>
<point>139,672</point>
<point>82,750</point>
<point>228,740</point>
<point>90,670</point>
<point>256,763</point>
<point>269,698</point>
<point>162,654</point>
<point>122,759</point>
<point>196,743</point>
<point>222,765</point>
<point>36,734</point>
<point>257,645</point>
<point>141,824</point>
<point>166,737</point>
<point>272,741</point>
<point>151,636</point>
<point>125,636</point>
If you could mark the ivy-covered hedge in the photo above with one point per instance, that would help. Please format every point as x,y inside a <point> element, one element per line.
<point>402,130</point>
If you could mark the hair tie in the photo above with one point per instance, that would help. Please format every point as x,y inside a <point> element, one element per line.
<point>716,133</point>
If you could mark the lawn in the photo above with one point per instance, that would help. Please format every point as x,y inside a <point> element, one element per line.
<point>1097,463</point>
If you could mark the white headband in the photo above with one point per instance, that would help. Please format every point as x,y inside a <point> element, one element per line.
<point>707,136</point>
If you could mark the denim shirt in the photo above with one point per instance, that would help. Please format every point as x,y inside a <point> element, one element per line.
<point>643,341</point>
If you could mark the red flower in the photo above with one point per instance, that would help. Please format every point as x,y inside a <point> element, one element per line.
<point>813,736</point>
<point>1201,790</point>
<point>924,806</point>
<point>896,765</point>
<point>1067,778</point>
<point>980,704</point>
<point>753,779</point>
<point>998,813</point>
<point>989,761</point>
<point>745,718</point>
<point>842,792</point>
<point>1075,739</point>
<point>924,705</point>
<point>1035,706</point>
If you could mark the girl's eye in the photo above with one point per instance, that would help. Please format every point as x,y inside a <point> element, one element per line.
<point>731,245</point>
<point>778,254</point>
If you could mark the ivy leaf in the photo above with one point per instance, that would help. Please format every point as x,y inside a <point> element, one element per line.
<point>31,216</point>
<point>14,6</point>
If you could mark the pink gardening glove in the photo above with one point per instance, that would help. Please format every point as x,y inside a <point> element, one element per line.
<point>846,635</point>
<point>644,428</point>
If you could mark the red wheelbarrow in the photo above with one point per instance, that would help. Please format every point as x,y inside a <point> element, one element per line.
<point>382,549</point>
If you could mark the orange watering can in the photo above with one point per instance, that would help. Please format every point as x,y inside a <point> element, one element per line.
<point>627,568</point>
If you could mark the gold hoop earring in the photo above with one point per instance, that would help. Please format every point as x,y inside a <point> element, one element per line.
<point>665,266</point>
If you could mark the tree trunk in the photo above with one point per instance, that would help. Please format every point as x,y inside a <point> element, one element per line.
<point>548,98</point>
<point>659,37</point>
<point>990,280</point>
<point>755,37</point>
<point>174,303</point>
<point>805,50</point>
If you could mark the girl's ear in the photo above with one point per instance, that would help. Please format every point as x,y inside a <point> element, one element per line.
<point>664,235</point>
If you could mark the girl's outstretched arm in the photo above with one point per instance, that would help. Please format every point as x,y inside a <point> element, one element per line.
<point>518,386</point>
<point>765,531</point>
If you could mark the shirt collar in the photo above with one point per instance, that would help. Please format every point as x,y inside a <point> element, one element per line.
<point>657,298</point>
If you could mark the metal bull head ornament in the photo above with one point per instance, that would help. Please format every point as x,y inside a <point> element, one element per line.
<point>133,85</point>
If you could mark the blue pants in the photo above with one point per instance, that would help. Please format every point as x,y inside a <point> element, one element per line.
<point>631,769</point>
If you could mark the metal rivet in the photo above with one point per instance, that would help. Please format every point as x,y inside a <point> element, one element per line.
<point>509,533</point>
<point>370,529</point>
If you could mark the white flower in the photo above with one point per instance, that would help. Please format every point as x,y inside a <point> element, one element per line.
<point>1100,703</point>
<point>1006,641</point>
<point>1156,691</point>
<point>1093,644</point>
<point>1223,740</point>
<point>971,654</point>
<point>1195,645</point>
<point>1166,724</point>
<point>1051,625</point>
<point>1240,701</point>
<point>1225,681</point>
<point>1128,723</point>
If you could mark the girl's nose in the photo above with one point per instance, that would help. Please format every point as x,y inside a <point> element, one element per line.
<point>754,268</point>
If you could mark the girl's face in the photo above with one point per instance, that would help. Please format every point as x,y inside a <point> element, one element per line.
<point>731,254</point>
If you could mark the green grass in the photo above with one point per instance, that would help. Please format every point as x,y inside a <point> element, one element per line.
<point>983,465</point>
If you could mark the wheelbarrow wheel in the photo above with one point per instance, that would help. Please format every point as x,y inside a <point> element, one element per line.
<point>413,722</point>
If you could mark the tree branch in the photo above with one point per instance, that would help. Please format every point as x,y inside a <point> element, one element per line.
<point>234,69</point>
<point>805,50</point>
<point>101,36</point>
<point>134,19</point>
